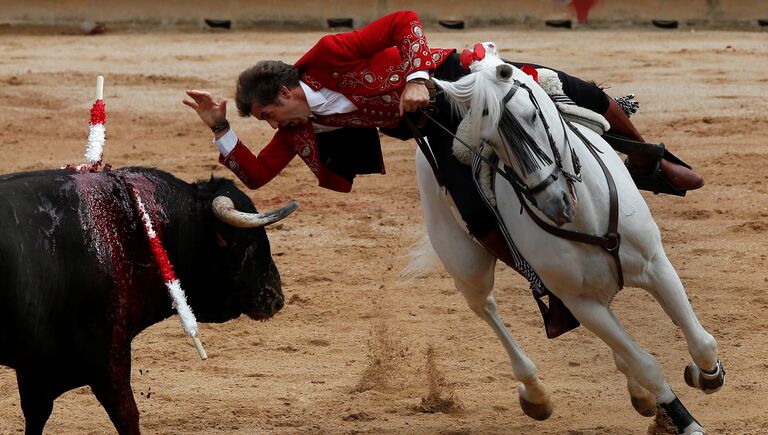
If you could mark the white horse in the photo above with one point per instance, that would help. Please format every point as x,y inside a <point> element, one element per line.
<point>583,276</point>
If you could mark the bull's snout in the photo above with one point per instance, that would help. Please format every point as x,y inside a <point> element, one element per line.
<point>274,301</point>
<point>268,297</point>
<point>278,304</point>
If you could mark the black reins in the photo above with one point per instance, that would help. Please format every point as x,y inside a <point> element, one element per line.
<point>610,241</point>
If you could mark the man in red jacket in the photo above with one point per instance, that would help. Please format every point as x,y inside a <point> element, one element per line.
<point>328,106</point>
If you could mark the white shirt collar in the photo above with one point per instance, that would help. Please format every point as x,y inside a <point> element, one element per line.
<point>315,99</point>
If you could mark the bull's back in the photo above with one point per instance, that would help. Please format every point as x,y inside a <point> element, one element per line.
<point>51,286</point>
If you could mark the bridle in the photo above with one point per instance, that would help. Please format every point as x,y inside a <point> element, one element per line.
<point>610,242</point>
<point>517,182</point>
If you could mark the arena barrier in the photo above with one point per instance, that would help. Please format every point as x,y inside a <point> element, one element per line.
<point>320,14</point>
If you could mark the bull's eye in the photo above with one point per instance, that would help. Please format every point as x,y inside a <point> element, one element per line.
<point>220,240</point>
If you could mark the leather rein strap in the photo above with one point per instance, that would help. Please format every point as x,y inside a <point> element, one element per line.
<point>425,149</point>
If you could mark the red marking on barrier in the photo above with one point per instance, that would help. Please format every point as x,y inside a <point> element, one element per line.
<point>98,115</point>
<point>582,8</point>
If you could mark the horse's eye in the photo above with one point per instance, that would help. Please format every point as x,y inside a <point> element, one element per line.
<point>533,118</point>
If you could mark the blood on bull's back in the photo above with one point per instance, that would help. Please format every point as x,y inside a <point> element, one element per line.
<point>78,280</point>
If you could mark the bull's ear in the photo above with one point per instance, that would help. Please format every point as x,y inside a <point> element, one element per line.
<point>503,72</point>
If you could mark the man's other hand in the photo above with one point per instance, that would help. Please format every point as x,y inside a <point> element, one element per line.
<point>415,95</point>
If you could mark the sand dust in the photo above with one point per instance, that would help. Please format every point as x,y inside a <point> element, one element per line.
<point>357,351</point>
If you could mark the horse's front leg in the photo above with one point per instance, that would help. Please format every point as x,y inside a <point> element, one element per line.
<point>473,277</point>
<point>600,319</point>
<point>706,372</point>
<point>534,398</point>
<point>472,269</point>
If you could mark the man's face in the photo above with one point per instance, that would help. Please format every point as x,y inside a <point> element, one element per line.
<point>290,111</point>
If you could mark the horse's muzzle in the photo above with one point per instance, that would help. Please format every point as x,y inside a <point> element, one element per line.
<point>560,209</point>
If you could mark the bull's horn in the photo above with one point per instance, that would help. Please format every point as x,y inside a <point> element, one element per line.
<point>224,209</point>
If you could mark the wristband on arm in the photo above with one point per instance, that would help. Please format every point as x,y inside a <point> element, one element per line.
<point>219,127</point>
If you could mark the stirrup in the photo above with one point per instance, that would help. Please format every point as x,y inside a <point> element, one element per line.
<point>558,319</point>
<point>655,181</point>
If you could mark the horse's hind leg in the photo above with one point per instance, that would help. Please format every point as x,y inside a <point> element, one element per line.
<point>642,400</point>
<point>705,373</point>
<point>472,269</point>
<point>599,319</point>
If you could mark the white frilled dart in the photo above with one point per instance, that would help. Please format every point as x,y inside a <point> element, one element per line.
<point>188,321</point>
<point>96,136</point>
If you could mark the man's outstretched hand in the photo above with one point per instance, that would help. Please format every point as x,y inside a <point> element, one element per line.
<point>212,112</point>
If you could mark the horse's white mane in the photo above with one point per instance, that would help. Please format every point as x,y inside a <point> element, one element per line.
<point>481,90</point>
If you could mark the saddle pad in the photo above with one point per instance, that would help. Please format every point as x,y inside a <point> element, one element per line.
<point>550,82</point>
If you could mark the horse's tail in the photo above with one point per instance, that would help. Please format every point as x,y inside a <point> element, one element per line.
<point>422,260</point>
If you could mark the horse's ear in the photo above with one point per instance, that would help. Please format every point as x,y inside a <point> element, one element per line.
<point>504,71</point>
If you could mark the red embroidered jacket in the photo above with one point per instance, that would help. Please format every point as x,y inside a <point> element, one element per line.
<point>369,66</point>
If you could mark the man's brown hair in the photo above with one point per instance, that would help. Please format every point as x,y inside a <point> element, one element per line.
<point>261,83</point>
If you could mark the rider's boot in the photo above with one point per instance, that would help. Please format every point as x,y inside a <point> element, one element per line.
<point>640,163</point>
<point>557,318</point>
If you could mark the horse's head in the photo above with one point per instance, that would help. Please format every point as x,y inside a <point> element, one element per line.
<point>510,112</point>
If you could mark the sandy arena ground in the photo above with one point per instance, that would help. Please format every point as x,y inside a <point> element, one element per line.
<point>357,351</point>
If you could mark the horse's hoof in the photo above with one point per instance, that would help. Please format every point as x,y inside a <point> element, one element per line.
<point>645,406</point>
<point>706,382</point>
<point>537,411</point>
<point>693,429</point>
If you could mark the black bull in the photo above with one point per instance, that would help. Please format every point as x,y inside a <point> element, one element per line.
<point>78,280</point>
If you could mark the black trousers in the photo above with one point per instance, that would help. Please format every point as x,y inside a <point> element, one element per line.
<point>457,176</point>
